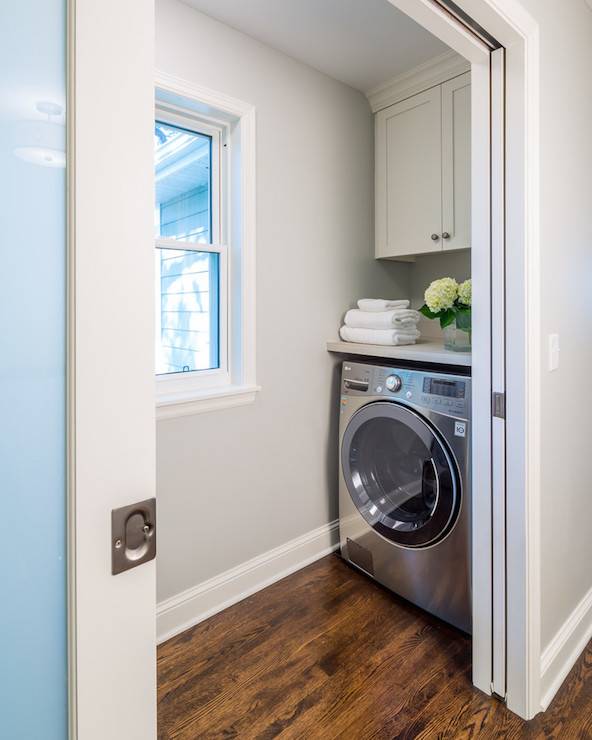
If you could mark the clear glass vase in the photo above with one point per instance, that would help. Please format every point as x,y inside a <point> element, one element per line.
<point>458,338</point>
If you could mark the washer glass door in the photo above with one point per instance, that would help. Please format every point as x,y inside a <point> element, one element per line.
<point>400,475</point>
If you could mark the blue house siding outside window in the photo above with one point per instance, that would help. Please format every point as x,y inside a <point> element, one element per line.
<point>188,289</point>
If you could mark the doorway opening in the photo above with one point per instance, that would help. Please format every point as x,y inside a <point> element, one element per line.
<point>431,124</point>
<point>249,494</point>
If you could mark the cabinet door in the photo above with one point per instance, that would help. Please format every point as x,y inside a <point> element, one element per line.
<point>456,162</point>
<point>409,176</point>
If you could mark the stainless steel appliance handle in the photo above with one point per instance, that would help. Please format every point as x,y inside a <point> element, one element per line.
<point>356,385</point>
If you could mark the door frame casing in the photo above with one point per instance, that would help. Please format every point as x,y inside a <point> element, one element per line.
<point>517,31</point>
<point>507,20</point>
<point>498,370</point>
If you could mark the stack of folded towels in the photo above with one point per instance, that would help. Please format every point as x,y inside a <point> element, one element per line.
<point>376,321</point>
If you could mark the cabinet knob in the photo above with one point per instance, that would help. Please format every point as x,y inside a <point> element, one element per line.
<point>445,235</point>
<point>435,237</point>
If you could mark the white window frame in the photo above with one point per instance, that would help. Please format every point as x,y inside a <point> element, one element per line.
<point>231,124</point>
<point>198,380</point>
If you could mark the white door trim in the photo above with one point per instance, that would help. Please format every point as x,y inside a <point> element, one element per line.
<point>443,26</point>
<point>509,22</point>
<point>481,377</point>
<point>515,29</point>
<point>498,369</point>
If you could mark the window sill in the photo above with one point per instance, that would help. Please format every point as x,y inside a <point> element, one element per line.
<point>187,403</point>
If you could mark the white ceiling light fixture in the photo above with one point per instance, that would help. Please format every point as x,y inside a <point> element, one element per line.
<point>43,142</point>
<point>43,156</point>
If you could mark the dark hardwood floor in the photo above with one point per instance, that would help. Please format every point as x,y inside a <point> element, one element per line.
<point>326,653</point>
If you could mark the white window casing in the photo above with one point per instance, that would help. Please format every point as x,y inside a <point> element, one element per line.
<point>231,124</point>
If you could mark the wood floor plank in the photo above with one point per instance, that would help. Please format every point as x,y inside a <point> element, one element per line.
<point>327,653</point>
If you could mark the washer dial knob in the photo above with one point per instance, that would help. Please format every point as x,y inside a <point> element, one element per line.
<point>393,383</point>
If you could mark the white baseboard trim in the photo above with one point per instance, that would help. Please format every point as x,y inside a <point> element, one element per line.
<point>561,654</point>
<point>184,610</point>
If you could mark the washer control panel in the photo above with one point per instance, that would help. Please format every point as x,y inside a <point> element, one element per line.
<point>393,383</point>
<point>446,394</point>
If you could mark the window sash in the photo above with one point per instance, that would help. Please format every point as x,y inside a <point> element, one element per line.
<point>220,376</point>
<point>195,380</point>
<point>166,114</point>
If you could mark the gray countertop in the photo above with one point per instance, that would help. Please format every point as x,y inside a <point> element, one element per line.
<point>423,351</point>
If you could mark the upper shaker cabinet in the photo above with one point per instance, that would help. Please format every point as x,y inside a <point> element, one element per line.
<point>423,172</point>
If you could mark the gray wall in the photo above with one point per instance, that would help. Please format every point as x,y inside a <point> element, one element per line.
<point>431,267</point>
<point>235,483</point>
<point>565,229</point>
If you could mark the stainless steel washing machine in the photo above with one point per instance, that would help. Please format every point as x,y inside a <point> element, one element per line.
<point>404,483</point>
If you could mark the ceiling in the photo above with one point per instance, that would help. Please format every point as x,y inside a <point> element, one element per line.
<point>360,42</point>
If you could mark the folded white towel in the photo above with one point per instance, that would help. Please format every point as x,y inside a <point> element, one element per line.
<point>380,304</point>
<point>389,337</point>
<point>397,318</point>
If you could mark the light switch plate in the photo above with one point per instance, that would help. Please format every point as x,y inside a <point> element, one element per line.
<point>553,352</point>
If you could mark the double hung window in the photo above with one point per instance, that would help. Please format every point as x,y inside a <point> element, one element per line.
<point>191,306</point>
<point>204,231</point>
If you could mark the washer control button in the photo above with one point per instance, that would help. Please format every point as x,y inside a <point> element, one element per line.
<point>393,383</point>
<point>379,389</point>
<point>409,394</point>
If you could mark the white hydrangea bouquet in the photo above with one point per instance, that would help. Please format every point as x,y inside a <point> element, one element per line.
<point>450,302</point>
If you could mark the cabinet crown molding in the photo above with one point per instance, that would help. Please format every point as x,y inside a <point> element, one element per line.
<point>433,72</point>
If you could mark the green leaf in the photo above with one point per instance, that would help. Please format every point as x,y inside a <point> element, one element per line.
<point>447,317</point>
<point>427,313</point>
